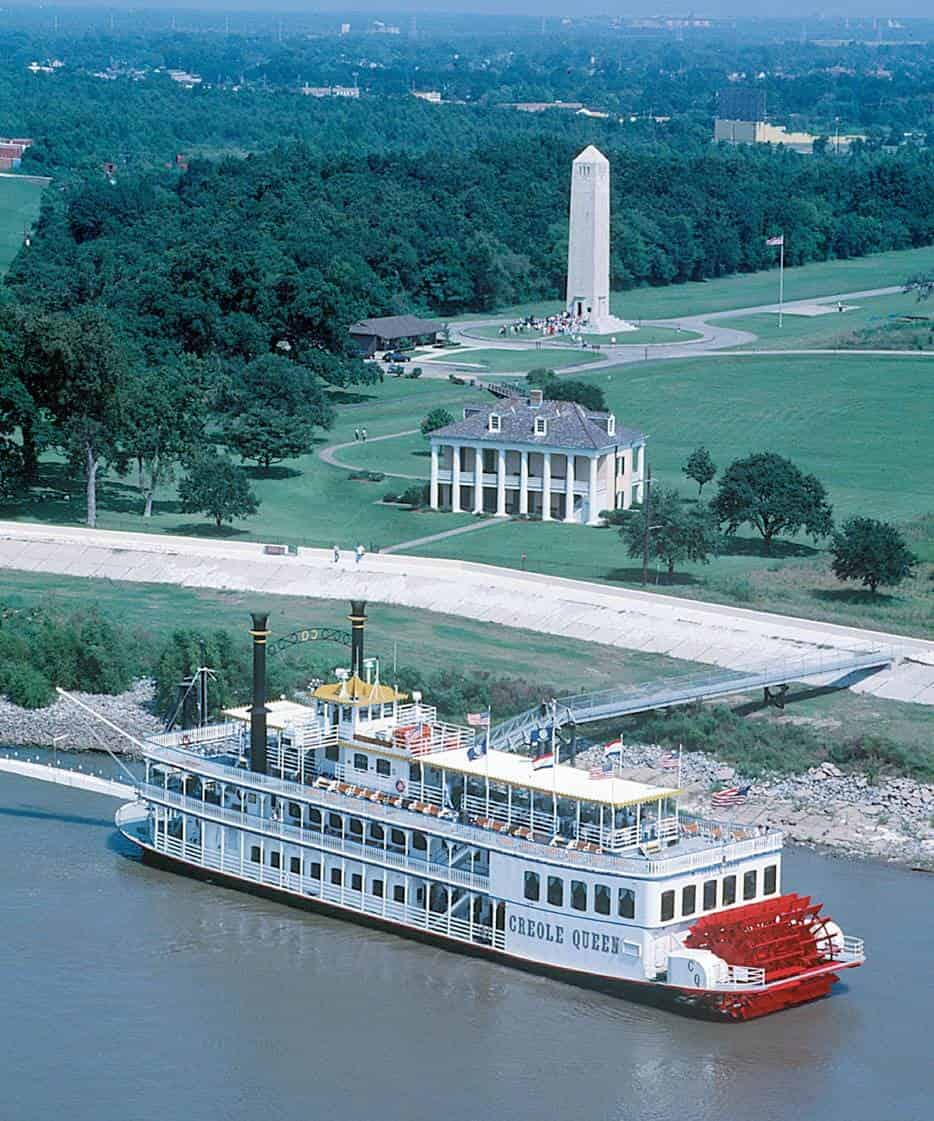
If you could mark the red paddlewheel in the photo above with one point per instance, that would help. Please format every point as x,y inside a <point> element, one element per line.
<point>785,936</point>
<point>750,1005</point>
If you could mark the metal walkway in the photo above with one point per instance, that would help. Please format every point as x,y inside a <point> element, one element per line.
<point>625,700</point>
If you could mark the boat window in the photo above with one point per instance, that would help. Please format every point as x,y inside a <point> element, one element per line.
<point>398,893</point>
<point>729,890</point>
<point>376,831</point>
<point>295,810</point>
<point>295,865</point>
<point>688,899</point>
<point>749,884</point>
<point>335,822</point>
<point>315,871</point>
<point>361,762</point>
<point>397,837</point>
<point>314,818</point>
<point>770,879</point>
<point>415,772</point>
<point>556,891</point>
<point>668,906</point>
<point>601,899</point>
<point>332,752</point>
<point>627,903</point>
<point>383,767</point>
<point>254,853</point>
<point>710,894</point>
<point>533,887</point>
<point>378,889</point>
<point>275,859</point>
<point>356,827</point>
<point>578,895</point>
<point>356,882</point>
<point>419,841</point>
<point>387,708</point>
<point>336,876</point>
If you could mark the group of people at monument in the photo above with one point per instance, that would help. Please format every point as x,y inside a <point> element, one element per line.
<point>549,326</point>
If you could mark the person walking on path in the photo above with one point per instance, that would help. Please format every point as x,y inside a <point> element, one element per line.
<point>363,435</point>
<point>358,553</point>
<point>337,555</point>
<point>356,434</point>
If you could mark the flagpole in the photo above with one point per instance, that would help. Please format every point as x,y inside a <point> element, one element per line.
<point>554,763</point>
<point>781,281</point>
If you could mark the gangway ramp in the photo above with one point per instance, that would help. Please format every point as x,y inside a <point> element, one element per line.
<point>839,667</point>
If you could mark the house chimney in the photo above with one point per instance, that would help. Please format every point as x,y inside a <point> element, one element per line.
<point>535,398</point>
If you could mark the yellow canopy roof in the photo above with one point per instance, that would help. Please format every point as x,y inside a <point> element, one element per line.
<point>356,691</point>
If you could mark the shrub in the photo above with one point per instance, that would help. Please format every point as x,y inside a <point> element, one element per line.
<point>26,686</point>
<point>418,494</point>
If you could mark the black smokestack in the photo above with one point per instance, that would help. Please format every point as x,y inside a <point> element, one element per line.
<point>357,618</point>
<point>259,633</point>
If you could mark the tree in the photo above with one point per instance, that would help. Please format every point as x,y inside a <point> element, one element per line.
<point>437,418</point>
<point>872,552</point>
<point>216,486</point>
<point>700,467</point>
<point>561,389</point>
<point>93,370</point>
<point>772,495</point>
<point>272,410</point>
<point>922,284</point>
<point>165,418</point>
<point>676,533</point>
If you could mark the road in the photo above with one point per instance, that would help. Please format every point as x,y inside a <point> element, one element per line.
<point>713,634</point>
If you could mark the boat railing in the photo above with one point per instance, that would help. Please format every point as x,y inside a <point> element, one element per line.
<point>608,862</point>
<point>745,976</point>
<point>854,949</point>
<point>190,739</point>
<point>465,930</point>
<point>342,846</point>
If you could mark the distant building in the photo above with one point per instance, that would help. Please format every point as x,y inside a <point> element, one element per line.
<point>185,78</point>
<point>432,96</point>
<point>550,459</point>
<point>387,331</point>
<point>541,106</point>
<point>331,91</point>
<point>741,120</point>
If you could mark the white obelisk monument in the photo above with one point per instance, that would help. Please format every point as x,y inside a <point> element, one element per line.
<point>588,292</point>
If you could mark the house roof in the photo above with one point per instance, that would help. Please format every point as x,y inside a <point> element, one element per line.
<point>395,327</point>
<point>569,426</point>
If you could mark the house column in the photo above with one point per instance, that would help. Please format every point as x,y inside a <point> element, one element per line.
<point>500,483</point>
<point>523,483</point>
<point>456,478</point>
<point>628,464</point>
<point>546,486</point>
<point>478,480</point>
<point>593,517</point>
<point>640,473</point>
<point>569,490</point>
<point>434,476</point>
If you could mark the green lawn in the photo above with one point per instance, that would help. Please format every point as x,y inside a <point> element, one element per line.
<point>822,278</point>
<point>826,331</point>
<point>487,360</point>
<point>854,420</point>
<point>19,208</point>
<point>304,501</point>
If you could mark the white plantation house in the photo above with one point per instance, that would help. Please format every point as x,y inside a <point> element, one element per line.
<point>550,459</point>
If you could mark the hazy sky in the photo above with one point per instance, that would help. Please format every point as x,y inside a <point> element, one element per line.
<point>770,9</point>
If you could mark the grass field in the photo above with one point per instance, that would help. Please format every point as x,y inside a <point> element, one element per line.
<point>853,420</point>
<point>19,208</point>
<point>822,278</point>
<point>488,360</point>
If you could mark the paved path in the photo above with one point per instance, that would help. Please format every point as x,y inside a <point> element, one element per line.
<point>710,633</point>
<point>440,536</point>
<point>329,454</point>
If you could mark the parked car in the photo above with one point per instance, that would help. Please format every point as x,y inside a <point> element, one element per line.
<point>395,356</point>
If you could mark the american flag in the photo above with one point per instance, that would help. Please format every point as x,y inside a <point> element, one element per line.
<point>668,761</point>
<point>602,770</point>
<point>478,719</point>
<point>733,796</point>
<point>776,241</point>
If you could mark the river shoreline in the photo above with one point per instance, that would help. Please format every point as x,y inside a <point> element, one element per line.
<point>837,813</point>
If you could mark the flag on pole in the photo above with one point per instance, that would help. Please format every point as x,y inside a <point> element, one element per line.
<point>775,241</point>
<point>478,719</point>
<point>477,749</point>
<point>668,761</point>
<point>732,796</point>
<point>614,748</point>
<point>543,754</point>
<point>602,770</point>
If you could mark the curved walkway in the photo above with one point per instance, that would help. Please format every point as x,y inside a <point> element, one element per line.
<point>710,633</point>
<point>329,454</point>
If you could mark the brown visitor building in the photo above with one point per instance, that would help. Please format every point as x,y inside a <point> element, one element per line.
<point>389,331</point>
